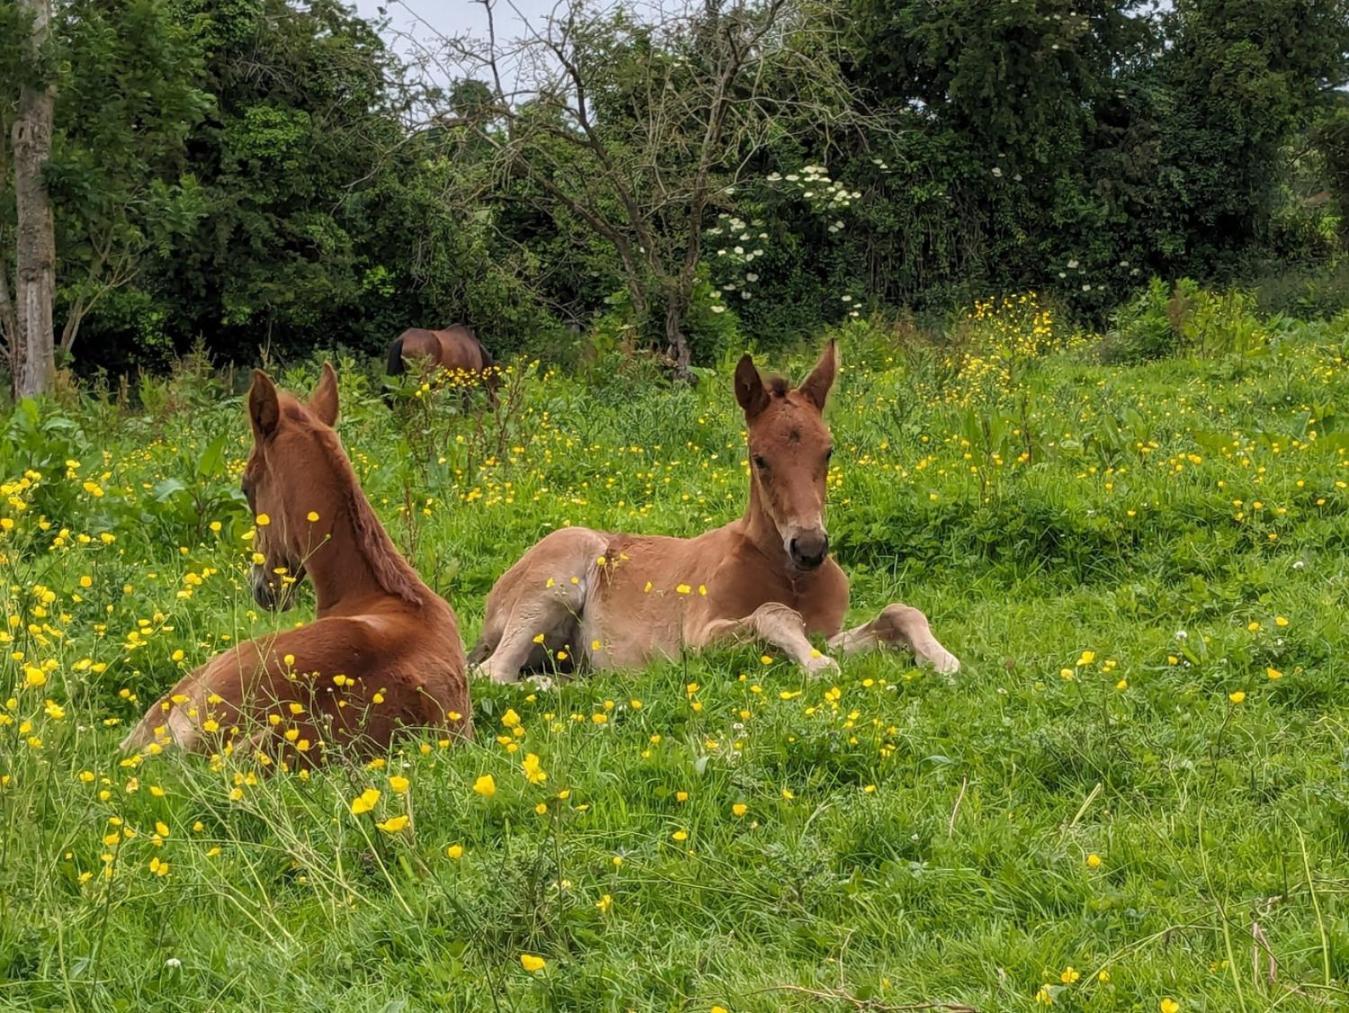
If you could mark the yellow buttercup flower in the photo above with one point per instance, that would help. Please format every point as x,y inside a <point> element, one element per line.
<point>365,801</point>
<point>534,773</point>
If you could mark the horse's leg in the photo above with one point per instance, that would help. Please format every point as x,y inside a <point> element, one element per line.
<point>898,626</point>
<point>776,624</point>
<point>545,611</point>
<point>537,604</point>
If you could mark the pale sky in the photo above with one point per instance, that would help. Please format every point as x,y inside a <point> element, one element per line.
<point>449,16</point>
<point>416,27</point>
<point>420,22</point>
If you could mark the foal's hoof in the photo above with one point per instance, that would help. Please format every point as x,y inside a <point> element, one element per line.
<point>823,665</point>
<point>543,683</point>
<point>945,662</point>
<point>484,670</point>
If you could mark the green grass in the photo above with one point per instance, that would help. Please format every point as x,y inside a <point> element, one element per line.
<point>906,839</point>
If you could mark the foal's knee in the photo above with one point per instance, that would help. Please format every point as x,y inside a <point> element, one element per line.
<point>775,612</point>
<point>909,626</point>
<point>902,621</point>
<point>497,672</point>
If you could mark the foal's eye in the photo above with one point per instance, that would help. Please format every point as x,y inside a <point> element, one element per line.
<point>760,463</point>
<point>828,454</point>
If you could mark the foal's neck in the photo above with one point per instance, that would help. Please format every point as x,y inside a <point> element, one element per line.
<point>340,569</point>
<point>357,562</point>
<point>759,528</point>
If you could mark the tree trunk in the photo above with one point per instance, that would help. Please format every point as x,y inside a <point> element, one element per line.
<point>35,260</point>
<point>676,342</point>
<point>9,325</point>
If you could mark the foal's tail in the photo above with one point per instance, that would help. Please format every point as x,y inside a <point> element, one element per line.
<point>394,366</point>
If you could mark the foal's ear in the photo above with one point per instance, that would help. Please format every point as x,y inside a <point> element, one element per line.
<point>264,407</point>
<point>816,386</point>
<point>749,388</point>
<point>323,401</point>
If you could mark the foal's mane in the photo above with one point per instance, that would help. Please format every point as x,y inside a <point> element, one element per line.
<point>391,571</point>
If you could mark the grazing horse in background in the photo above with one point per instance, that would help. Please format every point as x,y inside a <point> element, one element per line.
<point>384,652</point>
<point>618,601</point>
<point>456,349</point>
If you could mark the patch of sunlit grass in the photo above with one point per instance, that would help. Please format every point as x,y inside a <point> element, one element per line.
<point>1131,796</point>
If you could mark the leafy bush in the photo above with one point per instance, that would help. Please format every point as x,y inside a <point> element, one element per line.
<point>1148,326</point>
<point>1318,291</point>
<point>1168,320</point>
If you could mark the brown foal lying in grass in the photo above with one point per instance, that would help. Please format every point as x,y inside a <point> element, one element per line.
<point>618,601</point>
<point>384,652</point>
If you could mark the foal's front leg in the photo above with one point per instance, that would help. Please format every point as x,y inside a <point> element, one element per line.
<point>776,624</point>
<point>901,626</point>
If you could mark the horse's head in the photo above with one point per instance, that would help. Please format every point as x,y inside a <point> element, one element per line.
<point>789,450</point>
<point>286,484</point>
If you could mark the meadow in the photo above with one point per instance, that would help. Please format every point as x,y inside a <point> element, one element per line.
<point>1134,796</point>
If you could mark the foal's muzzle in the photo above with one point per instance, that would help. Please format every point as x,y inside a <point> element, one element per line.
<point>809,549</point>
<point>270,592</point>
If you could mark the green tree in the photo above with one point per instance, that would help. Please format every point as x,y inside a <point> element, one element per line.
<point>121,77</point>
<point>32,87</point>
<point>1240,77</point>
<point>635,133</point>
<point>130,95</point>
<point>306,115</point>
<point>1331,136</point>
